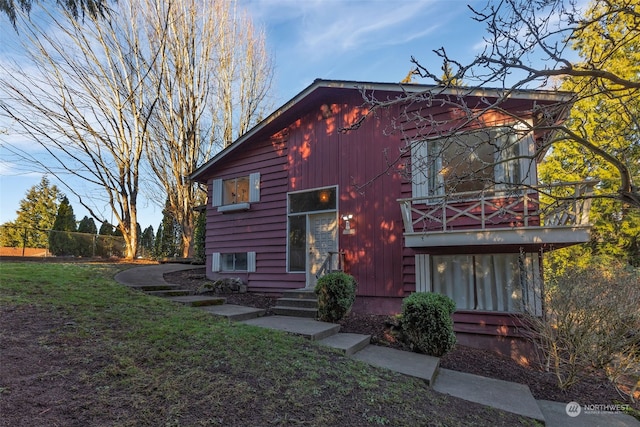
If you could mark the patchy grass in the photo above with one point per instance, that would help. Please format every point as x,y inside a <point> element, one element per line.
<point>119,357</point>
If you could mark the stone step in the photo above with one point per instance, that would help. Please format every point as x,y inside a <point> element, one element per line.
<point>310,313</point>
<point>234,312</point>
<point>169,293</point>
<point>298,302</point>
<point>511,397</point>
<point>404,362</point>
<point>348,343</point>
<point>308,328</point>
<point>300,294</point>
<point>157,287</point>
<point>197,300</point>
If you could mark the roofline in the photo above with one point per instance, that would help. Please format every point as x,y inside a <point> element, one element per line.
<point>373,86</point>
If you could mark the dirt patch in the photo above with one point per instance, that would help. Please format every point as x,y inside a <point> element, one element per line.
<point>593,389</point>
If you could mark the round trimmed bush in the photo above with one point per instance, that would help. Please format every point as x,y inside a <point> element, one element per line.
<point>336,293</point>
<point>427,322</point>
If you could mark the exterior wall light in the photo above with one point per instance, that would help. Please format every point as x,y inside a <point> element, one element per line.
<point>347,224</point>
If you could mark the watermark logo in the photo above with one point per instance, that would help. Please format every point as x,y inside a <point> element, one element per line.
<point>573,409</point>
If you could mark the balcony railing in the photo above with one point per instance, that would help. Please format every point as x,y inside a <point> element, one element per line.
<point>555,205</point>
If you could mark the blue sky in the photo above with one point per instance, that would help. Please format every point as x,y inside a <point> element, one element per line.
<point>360,40</point>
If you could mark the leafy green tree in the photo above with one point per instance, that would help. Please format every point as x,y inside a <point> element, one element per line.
<point>607,112</point>
<point>36,215</point>
<point>61,241</point>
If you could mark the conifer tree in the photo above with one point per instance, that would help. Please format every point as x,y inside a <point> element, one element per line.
<point>61,241</point>
<point>35,217</point>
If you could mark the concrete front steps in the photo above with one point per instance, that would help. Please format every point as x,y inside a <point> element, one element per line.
<point>297,303</point>
<point>511,397</point>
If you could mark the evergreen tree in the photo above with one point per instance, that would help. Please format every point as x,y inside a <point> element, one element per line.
<point>106,229</point>
<point>168,240</point>
<point>61,241</point>
<point>104,242</point>
<point>87,225</point>
<point>157,248</point>
<point>199,236</point>
<point>147,240</point>
<point>36,215</point>
<point>87,239</point>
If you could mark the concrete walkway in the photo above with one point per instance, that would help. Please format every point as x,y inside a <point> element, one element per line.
<point>507,396</point>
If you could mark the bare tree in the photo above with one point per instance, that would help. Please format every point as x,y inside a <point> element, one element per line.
<point>541,44</point>
<point>84,98</point>
<point>213,74</point>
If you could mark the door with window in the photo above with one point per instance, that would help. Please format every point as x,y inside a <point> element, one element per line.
<point>322,238</point>
<point>312,231</point>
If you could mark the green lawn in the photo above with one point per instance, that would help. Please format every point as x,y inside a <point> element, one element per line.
<point>130,359</point>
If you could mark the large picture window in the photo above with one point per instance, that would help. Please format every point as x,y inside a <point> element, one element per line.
<point>467,162</point>
<point>491,282</point>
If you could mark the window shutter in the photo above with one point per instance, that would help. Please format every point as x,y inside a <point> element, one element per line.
<point>254,187</point>
<point>215,262</point>
<point>251,262</point>
<point>216,196</point>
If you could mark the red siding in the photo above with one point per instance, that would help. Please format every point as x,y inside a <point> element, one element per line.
<point>316,154</point>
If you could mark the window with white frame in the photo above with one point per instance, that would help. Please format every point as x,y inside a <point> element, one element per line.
<point>468,162</point>
<point>233,262</point>
<point>236,193</point>
<point>487,282</point>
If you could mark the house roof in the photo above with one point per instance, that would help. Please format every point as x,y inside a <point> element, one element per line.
<point>321,88</point>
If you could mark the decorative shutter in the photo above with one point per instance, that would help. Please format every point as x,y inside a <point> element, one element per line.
<point>216,196</point>
<point>215,262</point>
<point>254,187</point>
<point>251,262</point>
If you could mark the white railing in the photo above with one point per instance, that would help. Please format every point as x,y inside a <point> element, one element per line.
<point>555,205</point>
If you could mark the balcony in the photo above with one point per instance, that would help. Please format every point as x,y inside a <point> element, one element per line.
<point>518,216</point>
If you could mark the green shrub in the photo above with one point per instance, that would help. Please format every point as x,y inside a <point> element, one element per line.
<point>427,322</point>
<point>336,294</point>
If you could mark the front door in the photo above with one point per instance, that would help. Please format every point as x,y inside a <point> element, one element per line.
<point>322,238</point>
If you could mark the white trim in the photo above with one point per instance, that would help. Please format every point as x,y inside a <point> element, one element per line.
<point>499,236</point>
<point>234,208</point>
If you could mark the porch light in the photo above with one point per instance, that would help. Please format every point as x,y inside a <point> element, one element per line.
<point>347,224</point>
<point>323,196</point>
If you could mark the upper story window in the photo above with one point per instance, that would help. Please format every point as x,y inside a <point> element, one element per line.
<point>235,190</point>
<point>469,162</point>
<point>234,194</point>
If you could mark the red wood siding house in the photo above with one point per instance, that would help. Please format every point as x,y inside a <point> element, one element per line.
<point>281,195</point>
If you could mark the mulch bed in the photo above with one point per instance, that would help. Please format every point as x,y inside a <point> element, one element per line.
<point>592,389</point>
